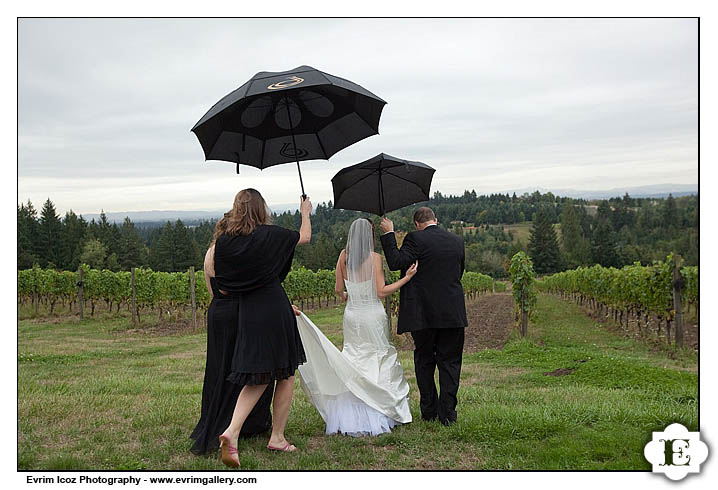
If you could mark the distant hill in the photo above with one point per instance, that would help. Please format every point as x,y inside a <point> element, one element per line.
<point>143,216</point>
<point>657,190</point>
<point>162,216</point>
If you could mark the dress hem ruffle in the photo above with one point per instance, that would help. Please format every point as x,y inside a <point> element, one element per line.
<point>253,379</point>
<point>349,415</point>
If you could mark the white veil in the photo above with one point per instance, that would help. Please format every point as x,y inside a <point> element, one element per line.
<point>360,245</point>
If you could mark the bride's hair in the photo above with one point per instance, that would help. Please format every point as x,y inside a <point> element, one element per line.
<point>249,211</point>
<point>360,246</point>
<point>358,226</point>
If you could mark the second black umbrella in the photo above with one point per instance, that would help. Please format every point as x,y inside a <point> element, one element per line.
<point>382,184</point>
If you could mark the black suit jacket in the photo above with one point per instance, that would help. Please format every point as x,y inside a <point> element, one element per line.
<point>434,297</point>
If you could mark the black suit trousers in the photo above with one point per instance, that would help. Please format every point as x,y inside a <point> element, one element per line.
<point>442,348</point>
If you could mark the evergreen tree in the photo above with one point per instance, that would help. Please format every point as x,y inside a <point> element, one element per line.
<point>603,245</point>
<point>27,236</point>
<point>131,249</point>
<point>604,212</point>
<point>186,250</point>
<point>74,229</point>
<point>622,215</point>
<point>203,234</point>
<point>574,245</point>
<point>108,233</point>
<point>543,244</point>
<point>162,251</point>
<point>670,213</point>
<point>50,236</point>
<point>628,201</point>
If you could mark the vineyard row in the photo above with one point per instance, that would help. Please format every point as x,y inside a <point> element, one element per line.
<point>634,291</point>
<point>172,290</point>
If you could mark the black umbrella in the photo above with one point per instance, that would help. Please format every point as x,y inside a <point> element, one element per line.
<point>281,117</point>
<point>381,184</point>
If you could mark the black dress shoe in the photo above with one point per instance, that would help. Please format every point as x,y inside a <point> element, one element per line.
<point>448,422</point>
<point>429,419</point>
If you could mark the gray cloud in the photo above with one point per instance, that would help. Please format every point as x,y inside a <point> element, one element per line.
<point>105,105</point>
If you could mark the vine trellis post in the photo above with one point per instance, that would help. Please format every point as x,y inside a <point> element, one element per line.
<point>135,316</point>
<point>677,300</point>
<point>80,294</point>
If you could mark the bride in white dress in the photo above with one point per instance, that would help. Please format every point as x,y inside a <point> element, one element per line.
<point>361,389</point>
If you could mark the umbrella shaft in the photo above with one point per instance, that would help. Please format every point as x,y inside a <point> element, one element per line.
<point>381,194</point>
<point>294,144</point>
<point>301,182</point>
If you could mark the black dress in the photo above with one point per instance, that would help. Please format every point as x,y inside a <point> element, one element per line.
<point>251,269</point>
<point>219,396</point>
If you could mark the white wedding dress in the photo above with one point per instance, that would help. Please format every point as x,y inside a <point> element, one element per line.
<point>361,389</point>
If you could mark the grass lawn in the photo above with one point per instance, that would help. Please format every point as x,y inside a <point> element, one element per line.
<point>93,395</point>
<point>522,231</point>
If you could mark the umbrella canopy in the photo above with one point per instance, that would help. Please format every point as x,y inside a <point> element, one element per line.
<point>381,184</point>
<point>282,117</point>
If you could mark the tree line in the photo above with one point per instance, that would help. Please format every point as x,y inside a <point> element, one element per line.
<point>51,242</point>
<point>622,232</point>
<point>565,233</point>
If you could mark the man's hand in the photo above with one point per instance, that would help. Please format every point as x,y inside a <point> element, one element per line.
<point>386,225</point>
<point>297,311</point>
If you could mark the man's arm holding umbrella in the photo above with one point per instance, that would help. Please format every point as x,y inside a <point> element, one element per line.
<point>397,259</point>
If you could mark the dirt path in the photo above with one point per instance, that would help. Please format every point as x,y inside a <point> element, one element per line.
<point>491,318</point>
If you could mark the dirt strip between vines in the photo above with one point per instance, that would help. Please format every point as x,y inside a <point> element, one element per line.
<point>491,318</point>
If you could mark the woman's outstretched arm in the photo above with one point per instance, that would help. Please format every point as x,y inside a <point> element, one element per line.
<point>305,231</point>
<point>382,289</point>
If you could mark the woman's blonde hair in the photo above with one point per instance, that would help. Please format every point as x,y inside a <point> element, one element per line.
<point>249,211</point>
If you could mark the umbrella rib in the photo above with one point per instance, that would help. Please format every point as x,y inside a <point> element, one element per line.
<point>367,123</point>
<point>261,159</point>
<point>402,178</point>
<point>214,143</point>
<point>324,76</point>
<point>375,171</point>
<point>321,145</point>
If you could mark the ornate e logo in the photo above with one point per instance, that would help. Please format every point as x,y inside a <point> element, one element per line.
<point>676,452</point>
<point>288,82</point>
<point>670,450</point>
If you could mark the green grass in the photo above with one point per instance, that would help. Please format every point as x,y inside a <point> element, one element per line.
<point>522,231</point>
<point>93,395</point>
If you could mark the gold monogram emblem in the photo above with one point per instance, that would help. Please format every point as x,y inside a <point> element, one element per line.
<point>289,82</point>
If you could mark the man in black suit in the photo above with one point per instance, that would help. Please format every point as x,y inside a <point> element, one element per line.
<point>431,308</point>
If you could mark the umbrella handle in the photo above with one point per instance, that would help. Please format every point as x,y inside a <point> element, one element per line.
<point>301,182</point>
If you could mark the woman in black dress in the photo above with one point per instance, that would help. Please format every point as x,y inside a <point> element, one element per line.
<point>219,396</point>
<point>251,259</point>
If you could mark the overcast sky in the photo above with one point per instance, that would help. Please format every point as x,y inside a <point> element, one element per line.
<point>106,105</point>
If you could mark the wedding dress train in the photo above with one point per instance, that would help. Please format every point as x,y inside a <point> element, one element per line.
<point>361,389</point>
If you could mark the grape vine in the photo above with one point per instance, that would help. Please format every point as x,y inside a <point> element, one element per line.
<point>168,292</point>
<point>633,291</point>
